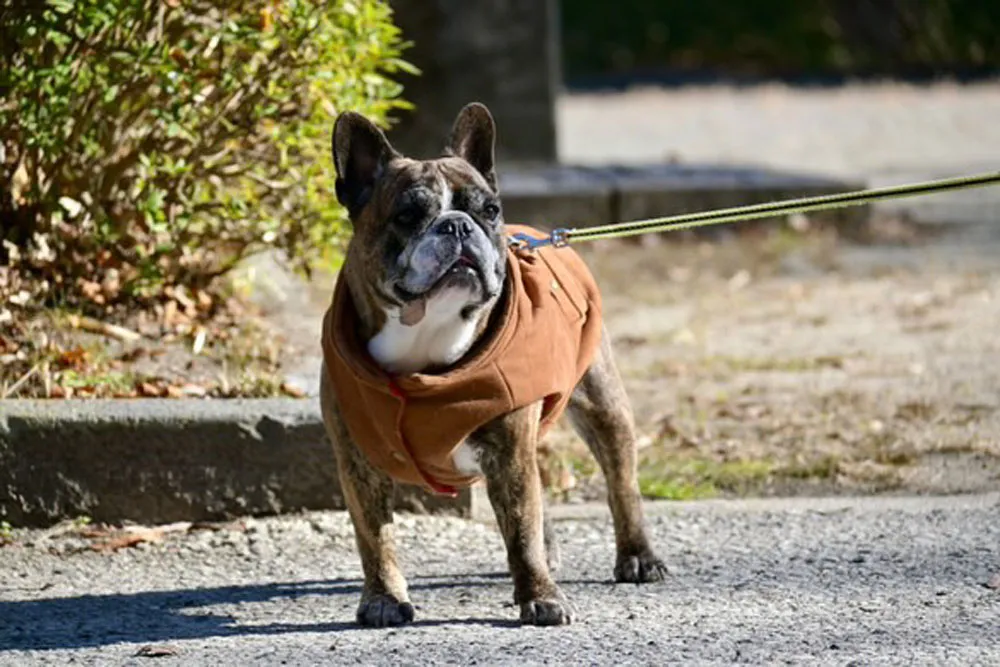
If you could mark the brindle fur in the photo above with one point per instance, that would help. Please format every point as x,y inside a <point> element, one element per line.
<point>599,410</point>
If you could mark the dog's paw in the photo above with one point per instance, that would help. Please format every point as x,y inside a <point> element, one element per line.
<point>546,612</point>
<point>382,611</point>
<point>643,568</point>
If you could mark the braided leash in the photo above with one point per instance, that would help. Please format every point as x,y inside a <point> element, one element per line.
<point>563,237</point>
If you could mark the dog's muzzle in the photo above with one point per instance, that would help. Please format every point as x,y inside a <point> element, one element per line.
<point>453,244</point>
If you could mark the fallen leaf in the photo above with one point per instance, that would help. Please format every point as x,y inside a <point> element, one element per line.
<point>151,390</point>
<point>92,290</point>
<point>111,284</point>
<point>169,313</point>
<point>199,341</point>
<point>20,298</point>
<point>180,295</point>
<point>191,389</point>
<point>175,391</point>
<point>75,358</point>
<point>129,538</point>
<point>95,532</point>
<point>103,328</point>
<point>204,300</point>
<point>155,651</point>
<point>292,390</point>
<point>176,527</point>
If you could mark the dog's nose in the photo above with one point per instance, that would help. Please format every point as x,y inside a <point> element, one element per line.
<point>455,225</point>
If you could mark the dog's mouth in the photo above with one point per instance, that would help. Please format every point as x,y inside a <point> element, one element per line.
<point>463,270</point>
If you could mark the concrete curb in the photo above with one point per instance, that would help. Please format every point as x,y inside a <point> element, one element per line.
<point>159,461</point>
<point>564,195</point>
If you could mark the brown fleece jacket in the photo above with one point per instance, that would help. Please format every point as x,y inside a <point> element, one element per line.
<point>408,426</point>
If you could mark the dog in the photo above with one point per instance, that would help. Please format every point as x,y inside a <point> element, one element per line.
<point>449,351</point>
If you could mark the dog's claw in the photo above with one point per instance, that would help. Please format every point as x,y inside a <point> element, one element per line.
<point>641,569</point>
<point>546,612</point>
<point>382,611</point>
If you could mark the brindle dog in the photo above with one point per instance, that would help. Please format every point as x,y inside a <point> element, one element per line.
<point>424,294</point>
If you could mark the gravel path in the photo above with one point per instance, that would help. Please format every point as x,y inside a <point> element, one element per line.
<point>846,581</point>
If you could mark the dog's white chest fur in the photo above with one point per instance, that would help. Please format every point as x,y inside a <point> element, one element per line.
<point>440,338</point>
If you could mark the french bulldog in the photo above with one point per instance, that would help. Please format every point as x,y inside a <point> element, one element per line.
<point>424,300</point>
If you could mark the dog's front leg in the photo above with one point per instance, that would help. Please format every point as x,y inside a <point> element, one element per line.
<point>507,456</point>
<point>368,494</point>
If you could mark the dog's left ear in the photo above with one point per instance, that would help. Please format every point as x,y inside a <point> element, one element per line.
<point>472,139</point>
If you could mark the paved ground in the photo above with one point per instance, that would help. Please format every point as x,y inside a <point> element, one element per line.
<point>838,582</point>
<point>849,130</point>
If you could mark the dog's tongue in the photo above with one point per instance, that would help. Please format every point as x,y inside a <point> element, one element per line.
<point>413,312</point>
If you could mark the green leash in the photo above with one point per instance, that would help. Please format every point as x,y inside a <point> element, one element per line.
<point>562,237</point>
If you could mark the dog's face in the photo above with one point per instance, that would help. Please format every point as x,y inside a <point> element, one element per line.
<point>428,235</point>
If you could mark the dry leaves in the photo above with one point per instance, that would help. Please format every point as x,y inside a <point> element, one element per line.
<point>155,651</point>
<point>112,540</point>
<point>189,345</point>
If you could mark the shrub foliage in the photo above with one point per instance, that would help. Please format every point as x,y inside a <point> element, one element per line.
<point>150,143</point>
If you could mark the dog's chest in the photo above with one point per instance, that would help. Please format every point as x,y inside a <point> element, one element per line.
<point>440,338</point>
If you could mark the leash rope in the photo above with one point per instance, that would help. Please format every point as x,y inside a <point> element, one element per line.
<point>562,236</point>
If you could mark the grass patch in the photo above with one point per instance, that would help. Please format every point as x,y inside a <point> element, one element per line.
<point>683,478</point>
<point>671,489</point>
<point>791,365</point>
<point>826,467</point>
<point>723,367</point>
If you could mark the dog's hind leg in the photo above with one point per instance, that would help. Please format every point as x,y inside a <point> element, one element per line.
<point>600,412</point>
<point>368,494</point>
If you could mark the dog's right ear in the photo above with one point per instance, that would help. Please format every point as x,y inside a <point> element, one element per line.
<point>360,154</point>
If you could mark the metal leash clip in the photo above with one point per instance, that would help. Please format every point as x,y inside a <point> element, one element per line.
<point>557,238</point>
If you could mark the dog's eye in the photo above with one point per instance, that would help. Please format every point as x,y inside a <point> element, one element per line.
<point>407,217</point>
<point>491,211</point>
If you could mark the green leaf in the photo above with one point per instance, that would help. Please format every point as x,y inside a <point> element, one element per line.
<point>61,6</point>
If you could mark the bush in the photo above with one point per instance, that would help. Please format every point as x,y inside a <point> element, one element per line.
<point>150,143</point>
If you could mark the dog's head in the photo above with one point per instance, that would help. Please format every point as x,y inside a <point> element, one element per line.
<point>423,229</point>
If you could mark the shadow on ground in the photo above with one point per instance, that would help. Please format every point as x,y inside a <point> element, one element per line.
<point>164,616</point>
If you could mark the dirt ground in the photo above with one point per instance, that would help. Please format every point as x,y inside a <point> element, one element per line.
<point>784,364</point>
<point>779,363</point>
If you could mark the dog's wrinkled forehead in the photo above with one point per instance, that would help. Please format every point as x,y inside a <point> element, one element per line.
<point>419,189</point>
